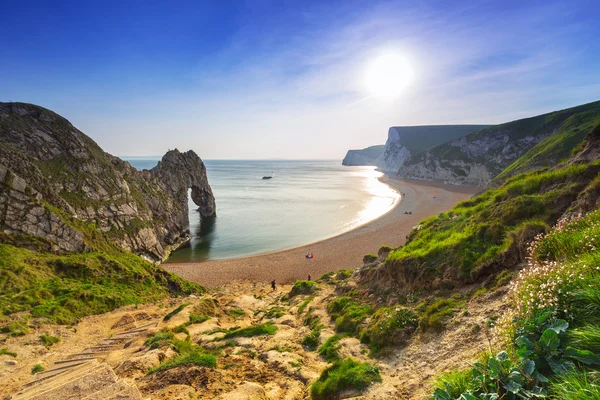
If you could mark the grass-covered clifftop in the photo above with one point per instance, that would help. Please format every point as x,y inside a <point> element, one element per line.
<point>551,346</point>
<point>64,288</point>
<point>481,236</point>
<point>501,151</point>
<point>565,141</point>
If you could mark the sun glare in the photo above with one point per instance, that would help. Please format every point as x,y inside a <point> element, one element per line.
<point>388,76</point>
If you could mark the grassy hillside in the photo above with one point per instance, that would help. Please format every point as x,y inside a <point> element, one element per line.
<point>483,235</point>
<point>552,334</point>
<point>507,149</point>
<point>559,146</point>
<point>64,288</point>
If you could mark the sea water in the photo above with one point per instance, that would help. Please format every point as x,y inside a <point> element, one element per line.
<point>304,202</point>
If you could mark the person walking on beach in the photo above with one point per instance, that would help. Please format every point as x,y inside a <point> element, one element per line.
<point>273,284</point>
<point>309,277</point>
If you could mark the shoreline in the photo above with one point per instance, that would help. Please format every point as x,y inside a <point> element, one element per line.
<point>381,179</point>
<point>343,251</point>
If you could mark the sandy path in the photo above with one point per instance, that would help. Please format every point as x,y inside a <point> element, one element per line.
<point>345,251</point>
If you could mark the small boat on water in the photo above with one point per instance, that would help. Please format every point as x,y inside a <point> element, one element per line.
<point>267,177</point>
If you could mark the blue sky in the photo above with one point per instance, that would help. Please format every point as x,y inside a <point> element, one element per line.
<point>262,79</point>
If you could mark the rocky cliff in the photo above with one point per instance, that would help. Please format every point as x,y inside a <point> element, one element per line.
<point>368,156</point>
<point>59,186</point>
<point>504,149</point>
<point>406,141</point>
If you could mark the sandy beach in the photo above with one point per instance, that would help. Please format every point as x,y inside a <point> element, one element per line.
<point>344,251</point>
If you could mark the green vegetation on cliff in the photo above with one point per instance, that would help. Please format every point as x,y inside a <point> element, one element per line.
<point>560,145</point>
<point>476,236</point>
<point>64,288</point>
<point>552,331</point>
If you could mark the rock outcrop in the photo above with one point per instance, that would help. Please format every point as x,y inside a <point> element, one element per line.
<point>508,148</point>
<point>368,156</point>
<point>59,186</point>
<point>405,141</point>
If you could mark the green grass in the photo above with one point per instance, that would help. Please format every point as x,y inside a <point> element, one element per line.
<point>8,353</point>
<point>576,385</point>
<point>389,326</point>
<point>65,288</point>
<point>346,374</point>
<point>435,314</point>
<point>305,303</point>
<point>15,328</point>
<point>454,382</point>
<point>189,359</point>
<point>49,340</point>
<point>196,319</point>
<point>586,337</point>
<point>580,240</point>
<point>159,340</point>
<point>37,368</point>
<point>553,322</point>
<point>330,349</point>
<point>175,312</point>
<point>268,328</point>
<point>237,313</point>
<point>303,287</point>
<point>348,314</point>
<point>458,246</point>
<point>311,341</point>
<point>274,312</point>
<point>188,352</point>
<point>207,306</point>
<point>556,147</point>
<point>568,127</point>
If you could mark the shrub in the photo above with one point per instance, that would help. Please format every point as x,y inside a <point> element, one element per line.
<point>343,274</point>
<point>159,340</point>
<point>49,340</point>
<point>8,353</point>
<point>435,314</point>
<point>203,360</point>
<point>346,374</point>
<point>348,314</point>
<point>311,341</point>
<point>268,328</point>
<point>175,312</point>
<point>329,349</point>
<point>390,326</point>
<point>15,328</point>
<point>197,319</point>
<point>37,368</point>
<point>274,312</point>
<point>369,258</point>
<point>303,287</point>
<point>305,303</point>
<point>237,313</point>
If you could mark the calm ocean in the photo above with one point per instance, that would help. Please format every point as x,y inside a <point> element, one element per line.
<point>305,201</point>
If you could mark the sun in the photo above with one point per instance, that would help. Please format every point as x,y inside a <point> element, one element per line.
<point>388,76</point>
